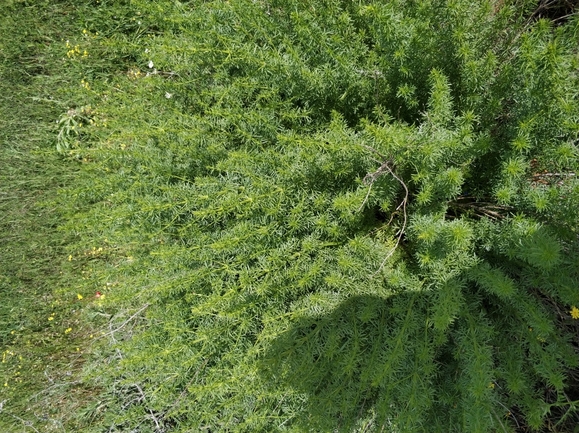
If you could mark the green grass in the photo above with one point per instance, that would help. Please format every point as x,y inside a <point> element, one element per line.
<point>53,268</point>
<point>43,338</point>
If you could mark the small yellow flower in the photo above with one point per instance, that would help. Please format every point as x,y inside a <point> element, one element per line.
<point>574,312</point>
<point>51,318</point>
<point>70,257</point>
<point>79,296</point>
<point>67,331</point>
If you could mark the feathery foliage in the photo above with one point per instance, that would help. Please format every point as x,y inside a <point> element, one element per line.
<point>333,216</point>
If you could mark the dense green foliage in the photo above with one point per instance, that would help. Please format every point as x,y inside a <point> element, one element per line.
<point>331,216</point>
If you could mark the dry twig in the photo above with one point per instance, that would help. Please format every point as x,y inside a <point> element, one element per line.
<point>125,322</point>
<point>150,411</point>
<point>370,178</point>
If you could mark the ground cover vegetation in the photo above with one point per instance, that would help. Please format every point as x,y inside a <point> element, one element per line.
<point>43,337</point>
<point>326,216</point>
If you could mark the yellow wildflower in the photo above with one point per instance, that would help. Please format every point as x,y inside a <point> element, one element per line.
<point>67,331</point>
<point>51,318</point>
<point>79,296</point>
<point>574,312</point>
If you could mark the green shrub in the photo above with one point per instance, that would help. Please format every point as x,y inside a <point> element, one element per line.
<point>346,216</point>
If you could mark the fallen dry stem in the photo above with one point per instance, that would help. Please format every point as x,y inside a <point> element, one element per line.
<point>125,322</point>
<point>370,178</point>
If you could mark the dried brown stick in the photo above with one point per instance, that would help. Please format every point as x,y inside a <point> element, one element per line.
<point>403,228</point>
<point>371,178</point>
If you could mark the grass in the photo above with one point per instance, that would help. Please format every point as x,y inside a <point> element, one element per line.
<point>53,267</point>
<point>43,338</point>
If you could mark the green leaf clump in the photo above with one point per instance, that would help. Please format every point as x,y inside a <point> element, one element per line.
<point>345,216</point>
